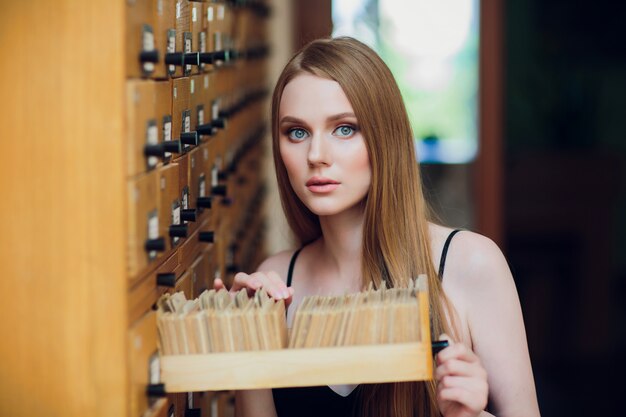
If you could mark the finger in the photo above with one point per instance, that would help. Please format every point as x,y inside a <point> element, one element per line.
<point>279,284</point>
<point>289,299</point>
<point>218,284</point>
<point>472,384</point>
<point>466,398</point>
<point>240,281</point>
<point>458,368</point>
<point>457,351</point>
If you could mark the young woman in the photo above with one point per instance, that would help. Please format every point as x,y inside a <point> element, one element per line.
<point>350,187</point>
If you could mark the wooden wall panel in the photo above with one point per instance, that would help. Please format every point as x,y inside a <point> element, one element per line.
<point>61,174</point>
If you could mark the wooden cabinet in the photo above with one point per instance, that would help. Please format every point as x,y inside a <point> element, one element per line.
<point>86,242</point>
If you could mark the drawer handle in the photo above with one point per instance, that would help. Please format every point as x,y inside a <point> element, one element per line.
<point>181,58</point>
<point>178,230</point>
<point>166,279</point>
<point>208,237</point>
<point>149,56</point>
<point>219,190</point>
<point>204,202</point>
<point>172,146</point>
<point>155,244</point>
<point>189,138</point>
<point>188,215</point>
<point>155,390</point>
<point>205,129</point>
<point>154,150</point>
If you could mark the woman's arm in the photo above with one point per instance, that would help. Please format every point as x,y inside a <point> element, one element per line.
<point>254,403</point>
<point>480,283</point>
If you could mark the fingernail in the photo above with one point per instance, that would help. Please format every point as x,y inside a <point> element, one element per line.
<point>285,294</point>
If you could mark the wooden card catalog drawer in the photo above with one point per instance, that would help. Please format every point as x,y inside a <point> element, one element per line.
<point>143,360</point>
<point>145,244</point>
<point>169,204</point>
<point>142,125</point>
<point>142,55</point>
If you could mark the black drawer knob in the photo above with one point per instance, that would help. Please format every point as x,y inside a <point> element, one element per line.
<point>155,244</point>
<point>166,279</point>
<point>204,202</point>
<point>149,56</point>
<point>219,190</point>
<point>154,150</point>
<point>172,146</point>
<point>178,230</point>
<point>205,129</point>
<point>188,215</point>
<point>189,138</point>
<point>181,58</point>
<point>208,237</point>
<point>155,390</point>
<point>219,123</point>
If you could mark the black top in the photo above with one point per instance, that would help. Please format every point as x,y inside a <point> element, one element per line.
<point>322,400</point>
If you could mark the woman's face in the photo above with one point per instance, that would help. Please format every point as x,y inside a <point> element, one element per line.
<point>321,145</point>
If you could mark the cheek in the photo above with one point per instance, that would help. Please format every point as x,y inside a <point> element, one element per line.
<point>290,159</point>
<point>359,161</point>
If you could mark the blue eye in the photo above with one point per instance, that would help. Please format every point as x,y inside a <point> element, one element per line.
<point>344,131</point>
<point>297,134</point>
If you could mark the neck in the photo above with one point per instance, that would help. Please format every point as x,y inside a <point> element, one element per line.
<point>342,243</point>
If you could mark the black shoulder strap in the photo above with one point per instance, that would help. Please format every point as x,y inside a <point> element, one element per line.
<point>292,264</point>
<point>444,252</point>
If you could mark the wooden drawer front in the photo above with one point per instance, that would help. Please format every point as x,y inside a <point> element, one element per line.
<point>199,179</point>
<point>181,110</point>
<point>140,39</point>
<point>178,404</point>
<point>143,224</point>
<point>203,274</point>
<point>184,285</point>
<point>198,35</point>
<point>142,125</point>
<point>145,293</point>
<point>143,362</point>
<point>184,40</point>
<point>195,100</point>
<point>163,112</point>
<point>189,250</point>
<point>164,34</point>
<point>184,188</point>
<point>169,202</point>
<point>198,90</point>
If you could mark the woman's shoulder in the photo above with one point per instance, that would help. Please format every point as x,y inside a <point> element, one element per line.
<point>472,259</point>
<point>278,263</point>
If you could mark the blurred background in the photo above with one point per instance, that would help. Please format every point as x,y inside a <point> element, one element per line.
<point>519,113</point>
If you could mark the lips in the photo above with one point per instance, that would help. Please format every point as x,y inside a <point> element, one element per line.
<point>320,181</point>
<point>321,185</point>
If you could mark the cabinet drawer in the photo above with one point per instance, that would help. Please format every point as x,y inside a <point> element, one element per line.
<point>181,111</point>
<point>145,244</point>
<point>147,291</point>
<point>142,125</point>
<point>141,50</point>
<point>169,202</point>
<point>184,41</point>
<point>143,361</point>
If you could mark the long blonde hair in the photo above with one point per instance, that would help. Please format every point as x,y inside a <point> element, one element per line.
<point>395,232</point>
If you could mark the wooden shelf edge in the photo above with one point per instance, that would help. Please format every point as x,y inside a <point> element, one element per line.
<point>297,367</point>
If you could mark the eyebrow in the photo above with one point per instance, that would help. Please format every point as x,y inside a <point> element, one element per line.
<point>291,119</point>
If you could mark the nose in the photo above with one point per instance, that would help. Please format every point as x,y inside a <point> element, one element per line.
<point>319,151</point>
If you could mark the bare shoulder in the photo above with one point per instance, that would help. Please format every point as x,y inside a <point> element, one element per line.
<point>278,263</point>
<point>472,259</point>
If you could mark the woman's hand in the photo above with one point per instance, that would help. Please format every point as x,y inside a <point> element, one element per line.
<point>462,388</point>
<point>271,281</point>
